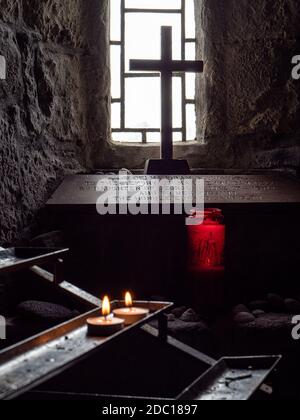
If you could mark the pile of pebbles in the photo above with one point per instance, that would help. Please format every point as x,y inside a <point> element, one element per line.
<point>263,326</point>
<point>45,311</point>
<point>193,329</point>
<point>273,304</point>
<point>32,317</point>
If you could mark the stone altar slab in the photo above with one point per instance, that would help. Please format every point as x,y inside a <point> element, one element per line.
<point>220,190</point>
<point>262,234</point>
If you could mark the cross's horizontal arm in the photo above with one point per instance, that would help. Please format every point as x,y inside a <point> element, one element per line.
<point>173,66</point>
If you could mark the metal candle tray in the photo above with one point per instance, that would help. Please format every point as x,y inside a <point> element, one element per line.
<point>34,361</point>
<point>16,259</point>
<point>232,378</point>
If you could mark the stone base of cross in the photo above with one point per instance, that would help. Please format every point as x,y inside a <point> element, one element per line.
<point>167,167</point>
<point>166,66</point>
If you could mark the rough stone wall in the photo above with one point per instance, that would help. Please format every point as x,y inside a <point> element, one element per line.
<point>249,105</point>
<point>42,118</point>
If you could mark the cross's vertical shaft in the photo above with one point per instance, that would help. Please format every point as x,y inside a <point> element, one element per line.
<point>166,66</point>
<point>166,94</point>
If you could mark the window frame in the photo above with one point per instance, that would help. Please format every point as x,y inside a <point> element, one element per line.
<point>124,75</point>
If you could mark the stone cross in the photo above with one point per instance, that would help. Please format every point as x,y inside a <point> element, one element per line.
<point>166,66</point>
<point>2,68</point>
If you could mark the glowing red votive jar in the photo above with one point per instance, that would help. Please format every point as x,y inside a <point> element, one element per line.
<point>207,241</point>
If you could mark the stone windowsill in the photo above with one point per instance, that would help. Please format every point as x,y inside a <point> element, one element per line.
<point>157,144</point>
<point>134,155</point>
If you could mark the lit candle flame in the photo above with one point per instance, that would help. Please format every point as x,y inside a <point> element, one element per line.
<point>128,300</point>
<point>105,306</point>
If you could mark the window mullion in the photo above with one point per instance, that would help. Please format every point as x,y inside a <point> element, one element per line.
<point>122,63</point>
<point>183,84</point>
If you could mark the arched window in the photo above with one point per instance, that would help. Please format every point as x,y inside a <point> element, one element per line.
<point>135,103</point>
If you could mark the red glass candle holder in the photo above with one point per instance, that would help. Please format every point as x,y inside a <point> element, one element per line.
<point>206,241</point>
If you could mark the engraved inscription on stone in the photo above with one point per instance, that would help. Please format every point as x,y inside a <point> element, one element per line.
<point>250,189</point>
<point>221,189</point>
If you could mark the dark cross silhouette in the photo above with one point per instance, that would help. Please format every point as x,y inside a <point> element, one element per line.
<point>166,66</point>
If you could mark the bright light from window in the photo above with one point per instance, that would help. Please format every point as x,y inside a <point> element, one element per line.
<point>135,34</point>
